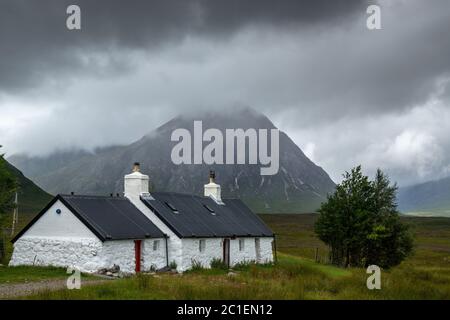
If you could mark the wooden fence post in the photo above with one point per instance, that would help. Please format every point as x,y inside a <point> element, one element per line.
<point>2,248</point>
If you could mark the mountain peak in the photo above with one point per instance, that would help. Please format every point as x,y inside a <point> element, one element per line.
<point>299,185</point>
<point>232,118</point>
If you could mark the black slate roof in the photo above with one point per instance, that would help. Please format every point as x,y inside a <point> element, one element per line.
<point>194,216</point>
<point>109,218</point>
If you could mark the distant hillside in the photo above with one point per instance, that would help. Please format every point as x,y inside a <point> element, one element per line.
<point>31,198</point>
<point>429,198</point>
<point>300,185</point>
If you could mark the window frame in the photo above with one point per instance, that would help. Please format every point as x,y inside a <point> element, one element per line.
<point>202,245</point>
<point>155,245</point>
<point>241,244</point>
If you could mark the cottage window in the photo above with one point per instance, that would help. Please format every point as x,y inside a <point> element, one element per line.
<point>171,207</point>
<point>202,245</point>
<point>211,210</point>
<point>241,244</point>
<point>156,245</point>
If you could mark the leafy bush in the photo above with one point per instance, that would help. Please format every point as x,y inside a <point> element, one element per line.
<point>217,263</point>
<point>173,265</point>
<point>196,265</point>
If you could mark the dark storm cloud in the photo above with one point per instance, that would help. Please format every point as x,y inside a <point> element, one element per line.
<point>346,95</point>
<point>35,43</point>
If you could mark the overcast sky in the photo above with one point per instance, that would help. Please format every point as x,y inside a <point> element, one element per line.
<point>346,95</point>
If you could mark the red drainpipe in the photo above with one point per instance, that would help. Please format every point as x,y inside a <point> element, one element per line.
<point>137,255</point>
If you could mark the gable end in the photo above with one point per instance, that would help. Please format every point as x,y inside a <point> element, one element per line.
<point>72,210</point>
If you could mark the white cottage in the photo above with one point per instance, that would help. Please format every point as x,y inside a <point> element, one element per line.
<point>143,231</point>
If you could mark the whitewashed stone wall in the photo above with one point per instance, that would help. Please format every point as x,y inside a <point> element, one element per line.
<point>153,259</point>
<point>59,252</point>
<point>87,255</point>
<point>174,242</point>
<point>266,250</point>
<point>118,252</point>
<point>248,253</point>
<point>214,249</point>
<point>191,252</point>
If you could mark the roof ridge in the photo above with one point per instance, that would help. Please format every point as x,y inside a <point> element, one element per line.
<point>231,220</point>
<point>188,195</point>
<point>90,196</point>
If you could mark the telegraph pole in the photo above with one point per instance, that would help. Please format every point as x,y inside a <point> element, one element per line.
<point>15,214</point>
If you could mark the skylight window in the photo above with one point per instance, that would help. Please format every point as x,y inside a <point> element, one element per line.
<point>211,210</point>
<point>172,207</point>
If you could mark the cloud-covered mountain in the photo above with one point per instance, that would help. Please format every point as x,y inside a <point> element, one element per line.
<point>299,185</point>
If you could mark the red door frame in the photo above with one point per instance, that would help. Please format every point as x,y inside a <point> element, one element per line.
<point>137,254</point>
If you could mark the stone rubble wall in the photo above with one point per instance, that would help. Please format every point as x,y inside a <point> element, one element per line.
<point>87,255</point>
<point>214,249</point>
<point>154,260</point>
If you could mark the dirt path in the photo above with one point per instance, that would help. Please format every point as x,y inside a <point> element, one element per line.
<point>14,290</point>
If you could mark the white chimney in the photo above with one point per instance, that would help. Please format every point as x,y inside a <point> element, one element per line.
<point>136,183</point>
<point>212,189</point>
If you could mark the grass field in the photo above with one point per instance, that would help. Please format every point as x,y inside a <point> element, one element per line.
<point>425,275</point>
<point>22,274</point>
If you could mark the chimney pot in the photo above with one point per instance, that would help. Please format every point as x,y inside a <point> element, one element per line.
<point>212,189</point>
<point>136,167</point>
<point>212,176</point>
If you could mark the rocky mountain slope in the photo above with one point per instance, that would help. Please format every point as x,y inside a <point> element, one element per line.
<point>31,198</point>
<point>299,186</point>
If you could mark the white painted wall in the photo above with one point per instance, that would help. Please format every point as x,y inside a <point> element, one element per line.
<point>59,240</point>
<point>152,258</point>
<point>247,254</point>
<point>118,252</point>
<point>65,225</point>
<point>87,255</point>
<point>174,243</point>
<point>266,250</point>
<point>84,254</point>
<point>214,249</point>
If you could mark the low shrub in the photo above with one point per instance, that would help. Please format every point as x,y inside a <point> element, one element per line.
<point>196,265</point>
<point>217,263</point>
<point>173,265</point>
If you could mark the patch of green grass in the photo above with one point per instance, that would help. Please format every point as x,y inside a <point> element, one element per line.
<point>26,274</point>
<point>424,275</point>
<point>291,278</point>
<point>20,274</point>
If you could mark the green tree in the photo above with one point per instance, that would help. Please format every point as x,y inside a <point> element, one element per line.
<point>361,224</point>
<point>8,187</point>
